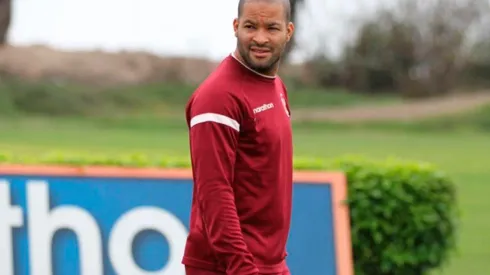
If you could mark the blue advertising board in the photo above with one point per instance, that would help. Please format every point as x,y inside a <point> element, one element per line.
<point>58,221</point>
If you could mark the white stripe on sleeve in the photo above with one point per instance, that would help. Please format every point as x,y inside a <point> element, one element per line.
<point>212,117</point>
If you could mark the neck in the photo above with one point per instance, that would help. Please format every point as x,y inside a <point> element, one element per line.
<point>236,54</point>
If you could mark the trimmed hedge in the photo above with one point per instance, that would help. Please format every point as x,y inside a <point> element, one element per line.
<point>403,214</point>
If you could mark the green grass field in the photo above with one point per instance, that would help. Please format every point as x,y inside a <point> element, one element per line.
<point>464,155</point>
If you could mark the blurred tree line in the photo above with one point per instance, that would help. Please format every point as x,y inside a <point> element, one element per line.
<point>419,48</point>
<point>295,6</point>
<point>416,48</point>
<point>5,18</point>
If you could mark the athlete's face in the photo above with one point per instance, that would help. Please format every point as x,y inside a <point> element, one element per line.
<point>262,34</point>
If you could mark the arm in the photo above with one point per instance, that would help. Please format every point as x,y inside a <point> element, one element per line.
<point>214,123</point>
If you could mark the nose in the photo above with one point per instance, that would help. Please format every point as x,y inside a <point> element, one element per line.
<point>261,37</point>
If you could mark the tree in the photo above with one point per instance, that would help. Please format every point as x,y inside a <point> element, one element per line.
<point>5,18</point>
<point>417,49</point>
<point>295,4</point>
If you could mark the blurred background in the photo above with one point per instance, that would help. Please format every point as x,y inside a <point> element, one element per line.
<point>403,78</point>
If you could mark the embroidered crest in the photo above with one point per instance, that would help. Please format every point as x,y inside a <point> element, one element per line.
<point>285,105</point>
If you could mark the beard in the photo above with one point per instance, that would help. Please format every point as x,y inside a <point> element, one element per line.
<point>263,66</point>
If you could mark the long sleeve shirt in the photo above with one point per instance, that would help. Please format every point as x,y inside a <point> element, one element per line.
<point>241,152</point>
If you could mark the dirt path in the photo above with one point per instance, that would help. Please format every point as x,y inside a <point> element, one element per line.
<point>398,112</point>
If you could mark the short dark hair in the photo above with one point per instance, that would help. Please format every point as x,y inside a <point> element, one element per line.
<point>286,3</point>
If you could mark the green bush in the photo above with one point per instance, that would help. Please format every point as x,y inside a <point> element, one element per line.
<point>403,215</point>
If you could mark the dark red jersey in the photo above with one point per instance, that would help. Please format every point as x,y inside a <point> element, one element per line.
<point>241,151</point>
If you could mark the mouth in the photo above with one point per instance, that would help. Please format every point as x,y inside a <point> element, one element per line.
<point>260,52</point>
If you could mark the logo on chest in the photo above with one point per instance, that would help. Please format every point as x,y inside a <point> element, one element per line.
<point>283,100</point>
<point>264,107</point>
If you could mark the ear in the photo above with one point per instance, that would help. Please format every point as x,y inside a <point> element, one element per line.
<point>235,26</point>
<point>290,31</point>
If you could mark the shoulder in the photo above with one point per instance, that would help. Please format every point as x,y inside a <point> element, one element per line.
<point>223,83</point>
<point>217,96</point>
<point>283,86</point>
<point>280,81</point>
<point>217,89</point>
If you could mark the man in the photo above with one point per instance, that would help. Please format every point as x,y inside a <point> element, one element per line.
<point>241,152</point>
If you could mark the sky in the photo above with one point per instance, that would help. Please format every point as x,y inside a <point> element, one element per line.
<point>165,27</point>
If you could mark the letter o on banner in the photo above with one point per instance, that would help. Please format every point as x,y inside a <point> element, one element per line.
<point>146,218</point>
